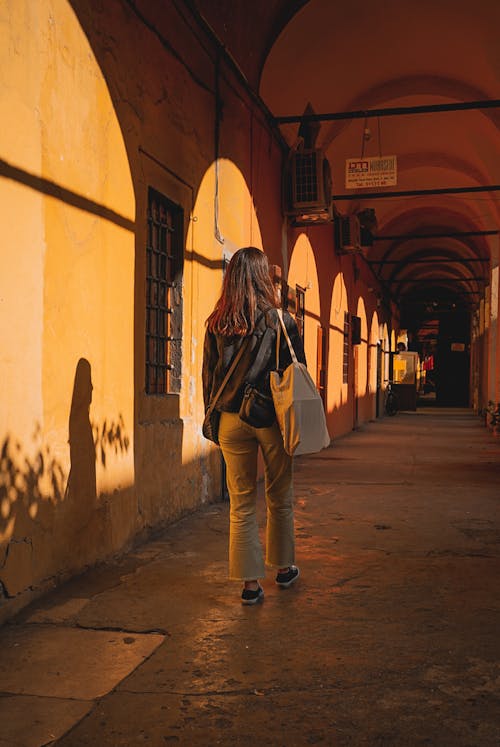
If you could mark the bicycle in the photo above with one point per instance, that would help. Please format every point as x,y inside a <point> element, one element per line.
<point>391,400</point>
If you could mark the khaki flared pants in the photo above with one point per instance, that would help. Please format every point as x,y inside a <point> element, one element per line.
<point>240,443</point>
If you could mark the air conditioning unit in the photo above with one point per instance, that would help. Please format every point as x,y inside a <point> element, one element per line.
<point>347,234</point>
<point>308,187</point>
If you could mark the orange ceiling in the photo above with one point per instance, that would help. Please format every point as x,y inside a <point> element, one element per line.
<point>360,55</point>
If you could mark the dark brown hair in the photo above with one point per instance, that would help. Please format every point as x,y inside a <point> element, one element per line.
<point>247,287</point>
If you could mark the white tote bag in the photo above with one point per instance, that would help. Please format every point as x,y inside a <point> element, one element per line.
<point>299,409</point>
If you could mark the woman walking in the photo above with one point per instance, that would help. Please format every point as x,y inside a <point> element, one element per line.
<point>245,315</point>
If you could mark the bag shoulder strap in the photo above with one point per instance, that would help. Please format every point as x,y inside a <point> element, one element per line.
<point>226,378</point>
<point>255,369</point>
<point>287,337</point>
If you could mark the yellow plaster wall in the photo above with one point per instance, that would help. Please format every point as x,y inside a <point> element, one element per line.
<point>372,365</point>
<point>237,219</point>
<point>374,338</point>
<point>66,309</point>
<point>372,353</point>
<point>23,242</point>
<point>361,367</point>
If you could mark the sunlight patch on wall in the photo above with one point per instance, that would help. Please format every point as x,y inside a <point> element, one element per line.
<point>303,273</point>
<point>223,220</point>
<point>337,389</point>
<point>67,283</point>
<point>494,295</point>
<point>235,217</point>
<point>372,354</point>
<point>362,353</point>
<point>89,264</point>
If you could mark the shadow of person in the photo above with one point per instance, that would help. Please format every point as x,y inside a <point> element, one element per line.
<point>82,485</point>
<point>80,520</point>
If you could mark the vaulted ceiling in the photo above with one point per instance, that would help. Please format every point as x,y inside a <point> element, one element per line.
<point>356,56</point>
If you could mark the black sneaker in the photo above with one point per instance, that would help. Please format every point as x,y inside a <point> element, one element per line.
<point>287,578</point>
<point>252,596</point>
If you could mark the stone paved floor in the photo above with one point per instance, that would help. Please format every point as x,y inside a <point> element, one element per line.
<point>391,637</point>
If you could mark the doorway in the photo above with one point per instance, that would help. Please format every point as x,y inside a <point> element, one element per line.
<point>444,347</point>
<point>452,362</point>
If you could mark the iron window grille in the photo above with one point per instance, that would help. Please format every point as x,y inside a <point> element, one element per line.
<point>306,177</point>
<point>345,357</point>
<point>164,260</point>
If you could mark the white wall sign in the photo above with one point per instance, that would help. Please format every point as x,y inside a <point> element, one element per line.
<point>381,171</point>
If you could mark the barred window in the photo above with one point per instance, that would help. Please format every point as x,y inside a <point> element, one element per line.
<point>164,261</point>
<point>345,357</point>
<point>300,309</point>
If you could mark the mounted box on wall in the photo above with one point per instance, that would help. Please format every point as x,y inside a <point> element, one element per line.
<point>347,234</point>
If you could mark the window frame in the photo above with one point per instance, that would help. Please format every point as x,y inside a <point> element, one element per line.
<point>163,295</point>
<point>346,351</point>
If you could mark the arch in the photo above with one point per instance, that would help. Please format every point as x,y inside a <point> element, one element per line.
<point>384,337</point>
<point>372,353</point>
<point>363,409</point>
<point>209,246</point>
<point>361,385</point>
<point>303,274</point>
<point>337,394</point>
<point>68,305</point>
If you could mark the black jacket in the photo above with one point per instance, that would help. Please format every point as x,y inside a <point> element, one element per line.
<point>219,352</point>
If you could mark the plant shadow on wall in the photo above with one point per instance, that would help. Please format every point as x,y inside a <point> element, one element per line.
<point>50,521</point>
